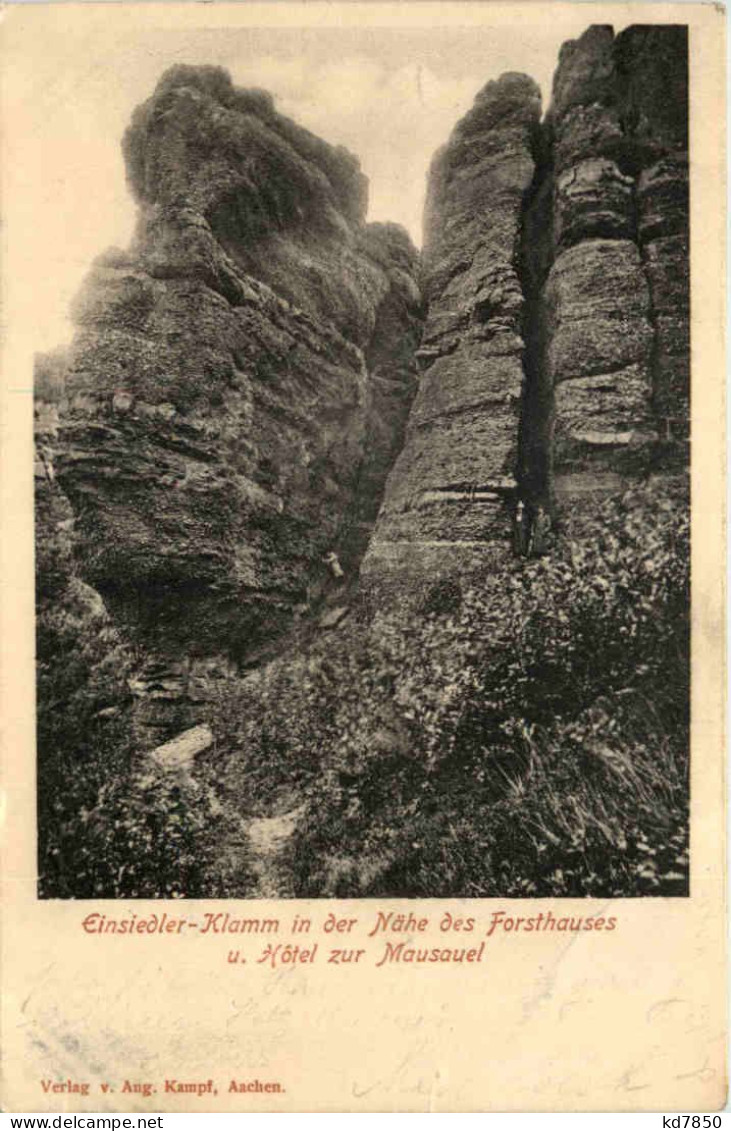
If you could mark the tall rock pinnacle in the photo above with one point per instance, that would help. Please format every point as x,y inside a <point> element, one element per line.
<point>231,401</point>
<point>451,495</point>
<point>556,348</point>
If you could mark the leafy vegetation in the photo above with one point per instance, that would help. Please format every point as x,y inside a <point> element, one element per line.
<point>110,824</point>
<point>530,740</point>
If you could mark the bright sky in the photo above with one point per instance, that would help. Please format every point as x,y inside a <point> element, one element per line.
<point>390,94</point>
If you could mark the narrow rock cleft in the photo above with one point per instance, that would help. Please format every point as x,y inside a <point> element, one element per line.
<point>536,411</point>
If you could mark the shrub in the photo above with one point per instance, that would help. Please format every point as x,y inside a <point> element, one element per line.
<point>527,736</point>
<point>110,824</point>
<point>532,739</point>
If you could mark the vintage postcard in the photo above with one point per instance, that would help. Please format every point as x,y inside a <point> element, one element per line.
<point>363,667</point>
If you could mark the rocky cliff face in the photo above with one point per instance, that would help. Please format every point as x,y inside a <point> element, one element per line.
<point>556,345</point>
<point>616,299</point>
<point>236,387</point>
<point>240,384</point>
<point>450,497</point>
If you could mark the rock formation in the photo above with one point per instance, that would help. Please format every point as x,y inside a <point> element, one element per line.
<point>616,300</point>
<point>451,494</point>
<point>556,345</point>
<point>237,385</point>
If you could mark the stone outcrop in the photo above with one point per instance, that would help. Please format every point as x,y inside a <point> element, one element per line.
<point>83,662</point>
<point>180,752</point>
<point>235,412</point>
<point>237,385</point>
<point>616,299</point>
<point>450,496</point>
<point>555,353</point>
<point>392,381</point>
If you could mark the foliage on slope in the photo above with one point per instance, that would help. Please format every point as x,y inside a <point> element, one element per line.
<point>527,737</point>
<point>110,823</point>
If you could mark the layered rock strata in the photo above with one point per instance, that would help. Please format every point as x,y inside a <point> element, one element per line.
<point>236,386</point>
<point>450,496</point>
<point>616,300</point>
<point>556,348</point>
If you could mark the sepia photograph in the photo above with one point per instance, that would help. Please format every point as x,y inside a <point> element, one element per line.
<point>363,479</point>
<point>362,470</point>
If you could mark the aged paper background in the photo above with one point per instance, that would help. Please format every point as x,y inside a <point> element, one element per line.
<point>632,1020</point>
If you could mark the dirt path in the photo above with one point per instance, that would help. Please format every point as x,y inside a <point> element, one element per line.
<point>267,838</point>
